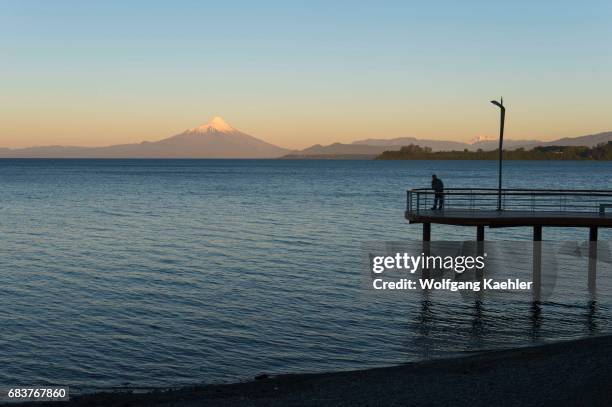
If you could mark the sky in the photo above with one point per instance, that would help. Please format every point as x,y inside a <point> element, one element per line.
<point>302,73</point>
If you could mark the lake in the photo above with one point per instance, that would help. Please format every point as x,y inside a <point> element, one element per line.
<point>157,273</point>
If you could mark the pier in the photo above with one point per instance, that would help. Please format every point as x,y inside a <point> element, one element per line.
<point>500,208</point>
<point>535,208</point>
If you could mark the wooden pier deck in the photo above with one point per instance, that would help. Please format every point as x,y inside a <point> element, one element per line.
<point>510,218</point>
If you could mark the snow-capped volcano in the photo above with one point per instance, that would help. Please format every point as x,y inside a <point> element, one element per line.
<point>216,139</point>
<point>217,124</point>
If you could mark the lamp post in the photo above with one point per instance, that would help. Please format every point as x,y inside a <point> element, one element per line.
<point>502,111</point>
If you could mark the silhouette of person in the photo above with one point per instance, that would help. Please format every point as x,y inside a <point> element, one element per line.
<point>438,186</point>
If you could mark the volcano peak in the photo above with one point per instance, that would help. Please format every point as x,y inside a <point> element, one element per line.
<point>216,124</point>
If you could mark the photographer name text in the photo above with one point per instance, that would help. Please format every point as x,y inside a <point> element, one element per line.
<point>451,285</point>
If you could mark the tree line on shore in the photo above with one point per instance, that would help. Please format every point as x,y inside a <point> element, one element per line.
<point>601,152</point>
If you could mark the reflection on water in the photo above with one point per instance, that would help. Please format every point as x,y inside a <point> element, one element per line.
<point>571,297</point>
<point>536,319</point>
<point>592,316</point>
<point>478,327</point>
<point>481,324</point>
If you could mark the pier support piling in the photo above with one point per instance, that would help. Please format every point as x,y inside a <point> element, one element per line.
<point>427,232</point>
<point>480,233</point>
<point>537,264</point>
<point>537,233</point>
<point>592,278</point>
<point>426,250</point>
<point>593,233</point>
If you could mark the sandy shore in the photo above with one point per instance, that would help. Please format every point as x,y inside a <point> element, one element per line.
<point>576,373</point>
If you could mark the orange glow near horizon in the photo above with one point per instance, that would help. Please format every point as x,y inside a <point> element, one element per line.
<point>295,132</point>
<point>303,73</point>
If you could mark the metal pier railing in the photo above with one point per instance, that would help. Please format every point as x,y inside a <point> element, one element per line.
<point>534,200</point>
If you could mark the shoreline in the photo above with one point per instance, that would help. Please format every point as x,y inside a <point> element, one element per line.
<point>577,372</point>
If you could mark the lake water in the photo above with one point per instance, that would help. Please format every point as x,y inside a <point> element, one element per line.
<point>151,273</point>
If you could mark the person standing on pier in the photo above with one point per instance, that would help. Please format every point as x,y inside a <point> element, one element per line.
<point>438,186</point>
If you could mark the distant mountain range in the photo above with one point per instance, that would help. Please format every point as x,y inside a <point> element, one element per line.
<point>445,145</point>
<point>217,139</point>
<point>370,148</point>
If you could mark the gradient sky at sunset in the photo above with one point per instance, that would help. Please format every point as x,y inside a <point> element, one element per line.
<point>301,73</point>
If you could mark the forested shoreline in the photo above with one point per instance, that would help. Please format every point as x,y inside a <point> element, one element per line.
<point>601,152</point>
